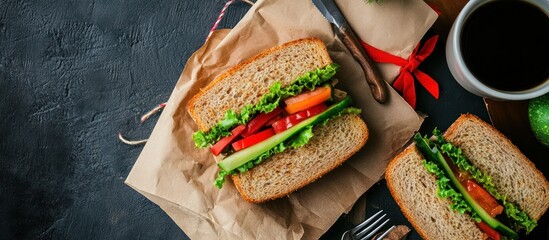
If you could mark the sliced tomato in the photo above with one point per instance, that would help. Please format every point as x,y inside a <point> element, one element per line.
<point>492,233</point>
<point>483,198</point>
<point>307,99</point>
<point>253,139</point>
<point>259,121</point>
<point>293,119</point>
<point>218,147</point>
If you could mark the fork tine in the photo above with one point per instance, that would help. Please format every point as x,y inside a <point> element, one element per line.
<point>361,225</point>
<point>369,226</point>
<point>364,231</point>
<point>384,234</point>
<point>372,232</point>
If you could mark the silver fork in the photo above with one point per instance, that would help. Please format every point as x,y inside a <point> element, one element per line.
<point>366,230</point>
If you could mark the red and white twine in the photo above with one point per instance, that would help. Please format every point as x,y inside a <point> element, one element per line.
<point>222,14</point>
<point>162,105</point>
<point>143,119</point>
<point>218,20</point>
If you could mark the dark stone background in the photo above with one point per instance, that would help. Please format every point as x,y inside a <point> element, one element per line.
<point>75,73</point>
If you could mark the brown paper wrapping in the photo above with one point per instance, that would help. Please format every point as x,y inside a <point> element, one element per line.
<point>179,178</point>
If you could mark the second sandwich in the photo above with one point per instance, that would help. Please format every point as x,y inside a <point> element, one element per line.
<point>469,183</point>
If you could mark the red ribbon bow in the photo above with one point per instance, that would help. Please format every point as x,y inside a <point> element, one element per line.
<point>405,82</point>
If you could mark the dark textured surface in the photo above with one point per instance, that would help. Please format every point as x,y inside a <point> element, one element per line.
<point>75,73</point>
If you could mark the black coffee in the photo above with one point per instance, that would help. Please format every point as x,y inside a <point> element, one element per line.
<point>505,44</point>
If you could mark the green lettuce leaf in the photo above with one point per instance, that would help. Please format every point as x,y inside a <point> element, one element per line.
<point>302,137</point>
<point>222,129</point>
<point>445,190</point>
<point>511,210</point>
<point>220,179</point>
<point>299,140</point>
<point>267,103</point>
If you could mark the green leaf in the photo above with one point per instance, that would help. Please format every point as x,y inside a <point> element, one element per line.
<point>267,103</point>
<point>220,179</point>
<point>230,120</point>
<point>302,138</point>
<point>199,139</point>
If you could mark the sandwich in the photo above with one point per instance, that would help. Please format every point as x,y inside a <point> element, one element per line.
<point>469,183</point>
<point>275,122</point>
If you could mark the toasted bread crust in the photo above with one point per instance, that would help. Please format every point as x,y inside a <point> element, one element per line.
<point>363,129</point>
<point>191,106</point>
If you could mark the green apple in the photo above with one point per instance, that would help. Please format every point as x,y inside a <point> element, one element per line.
<point>538,113</point>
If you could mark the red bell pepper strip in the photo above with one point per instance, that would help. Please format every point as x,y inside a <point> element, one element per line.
<point>293,119</point>
<point>492,233</point>
<point>273,120</point>
<point>483,198</point>
<point>252,140</point>
<point>218,147</point>
<point>477,192</point>
<point>259,121</point>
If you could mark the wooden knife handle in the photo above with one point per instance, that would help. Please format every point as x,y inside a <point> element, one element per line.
<point>373,78</point>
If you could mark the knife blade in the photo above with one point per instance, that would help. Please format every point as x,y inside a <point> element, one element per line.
<point>331,12</point>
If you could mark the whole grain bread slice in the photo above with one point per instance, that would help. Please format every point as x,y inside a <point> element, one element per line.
<point>246,82</point>
<point>414,189</point>
<point>288,171</point>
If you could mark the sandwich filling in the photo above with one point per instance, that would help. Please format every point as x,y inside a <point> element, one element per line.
<point>470,190</point>
<point>283,119</point>
<point>266,104</point>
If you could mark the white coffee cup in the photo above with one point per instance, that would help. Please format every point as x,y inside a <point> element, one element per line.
<point>466,78</point>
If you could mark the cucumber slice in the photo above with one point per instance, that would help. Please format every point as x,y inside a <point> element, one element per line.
<point>242,157</point>
<point>434,155</point>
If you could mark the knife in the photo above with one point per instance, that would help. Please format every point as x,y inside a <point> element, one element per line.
<point>331,12</point>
